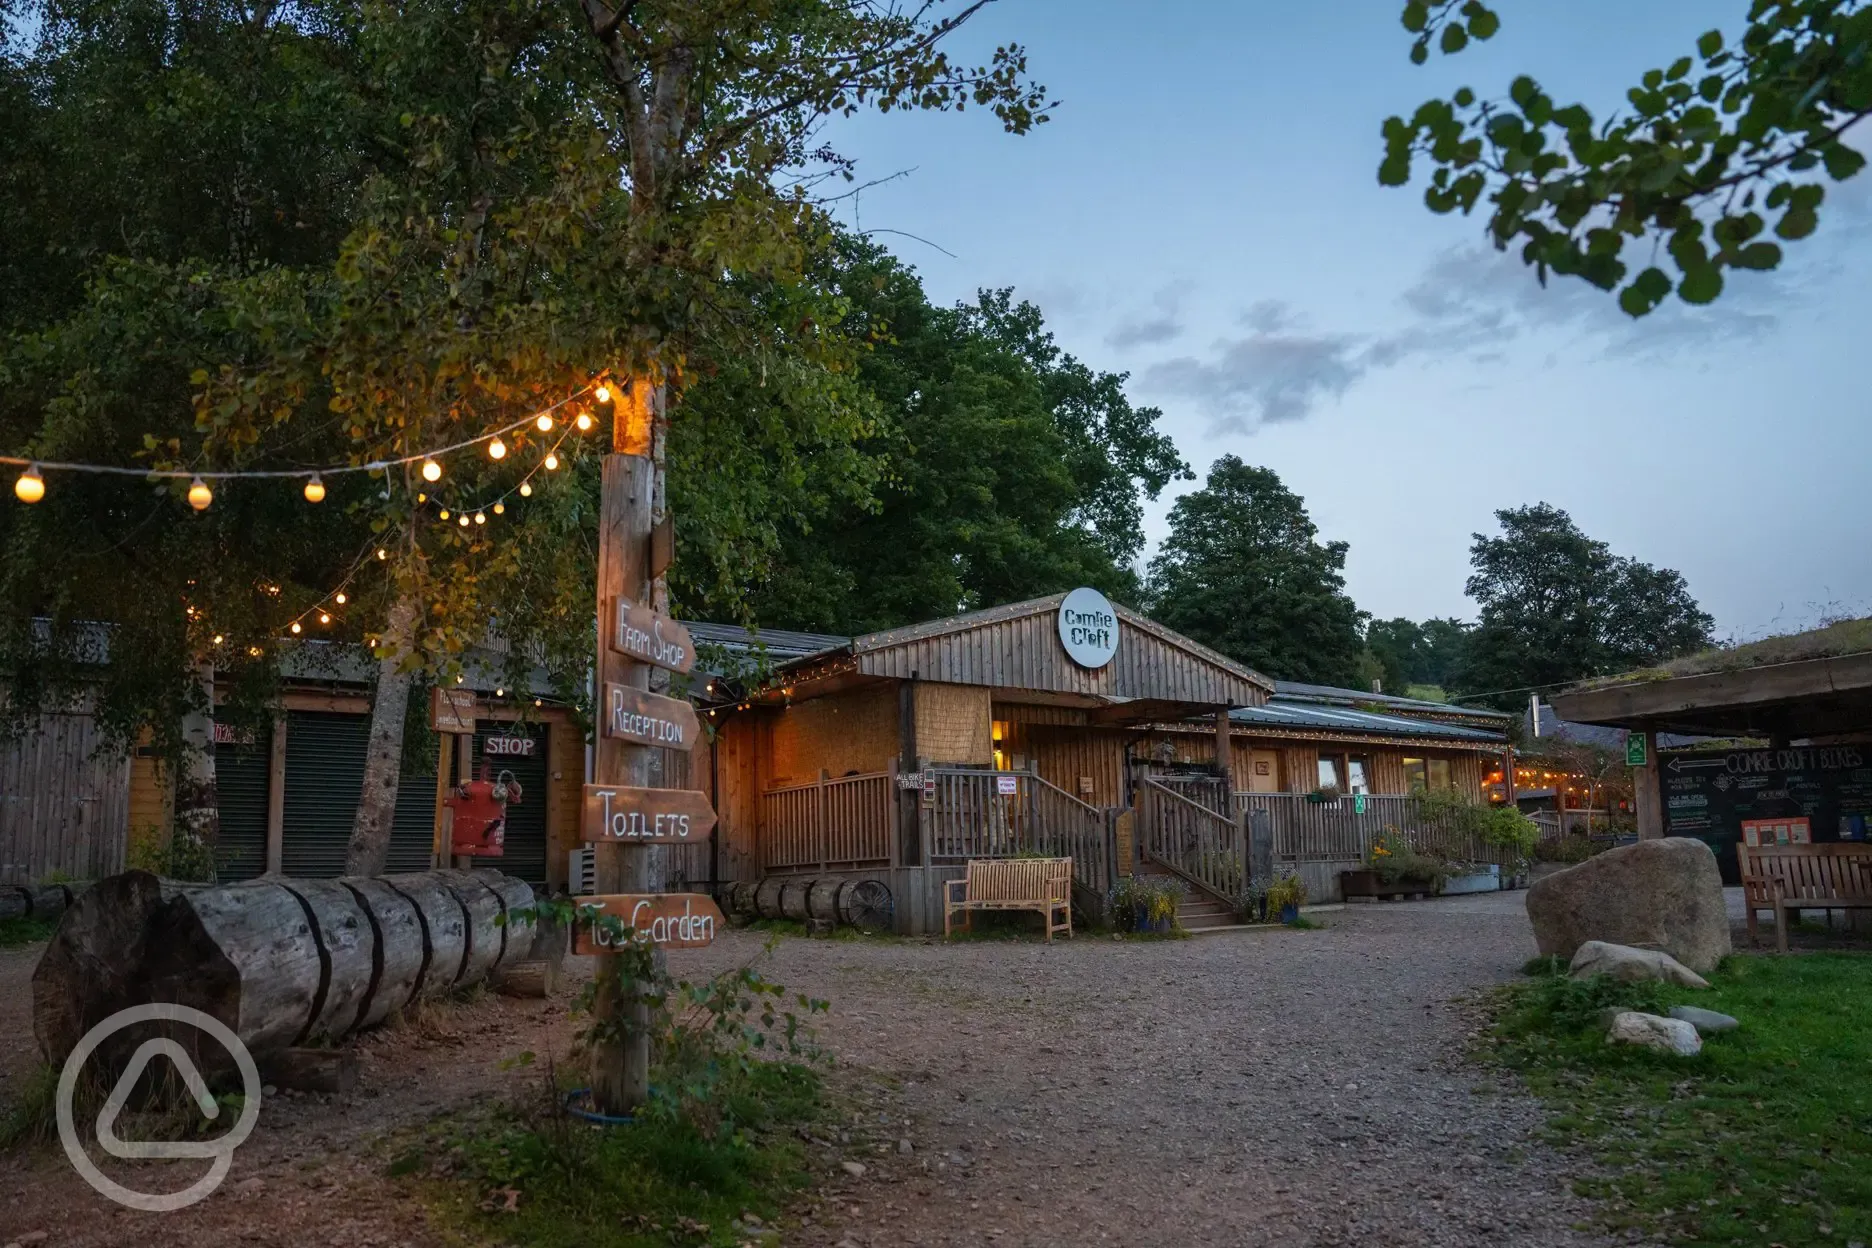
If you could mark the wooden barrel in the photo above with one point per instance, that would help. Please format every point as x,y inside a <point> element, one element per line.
<point>767,896</point>
<point>793,898</point>
<point>822,898</point>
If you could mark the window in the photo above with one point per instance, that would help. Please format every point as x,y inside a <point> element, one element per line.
<point>1329,772</point>
<point>1001,736</point>
<point>1349,773</point>
<point>1356,775</point>
<point>1416,777</point>
<point>1439,773</point>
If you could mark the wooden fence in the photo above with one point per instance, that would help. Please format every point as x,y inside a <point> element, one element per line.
<point>1190,838</point>
<point>64,803</point>
<point>1343,830</point>
<point>1002,814</point>
<point>842,824</point>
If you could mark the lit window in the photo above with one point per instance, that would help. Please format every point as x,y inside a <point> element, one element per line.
<point>1001,736</point>
<point>1416,777</point>
<point>1439,773</point>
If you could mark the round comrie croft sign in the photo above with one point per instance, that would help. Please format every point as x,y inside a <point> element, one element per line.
<point>1088,627</point>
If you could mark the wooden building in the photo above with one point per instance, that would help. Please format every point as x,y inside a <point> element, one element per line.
<point>902,754</point>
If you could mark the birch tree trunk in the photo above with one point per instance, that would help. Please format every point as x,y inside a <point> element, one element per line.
<point>369,850</point>
<point>197,805</point>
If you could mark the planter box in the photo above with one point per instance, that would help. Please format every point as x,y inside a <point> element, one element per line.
<point>1482,882</point>
<point>1367,884</point>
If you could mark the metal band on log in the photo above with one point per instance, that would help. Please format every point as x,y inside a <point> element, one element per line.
<point>279,961</point>
<point>37,901</point>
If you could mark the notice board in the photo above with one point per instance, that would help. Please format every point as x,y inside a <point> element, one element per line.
<point>1708,794</point>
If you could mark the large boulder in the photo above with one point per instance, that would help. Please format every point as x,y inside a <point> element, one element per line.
<point>1665,894</point>
<point>1596,957</point>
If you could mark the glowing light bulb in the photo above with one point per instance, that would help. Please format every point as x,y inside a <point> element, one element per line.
<point>382,553</point>
<point>602,394</point>
<point>199,495</point>
<point>500,693</point>
<point>544,423</point>
<point>218,639</point>
<point>315,490</point>
<point>536,702</point>
<point>500,509</point>
<point>422,498</point>
<point>254,651</point>
<point>340,599</point>
<point>295,626</point>
<point>324,617</point>
<point>464,520</point>
<point>431,470</point>
<point>497,449</point>
<point>552,463</point>
<point>526,489</point>
<point>584,422</point>
<point>480,517</point>
<point>445,513</point>
<point>30,487</point>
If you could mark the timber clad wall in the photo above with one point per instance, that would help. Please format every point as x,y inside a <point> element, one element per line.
<point>64,803</point>
<point>842,733</point>
<point>953,724</point>
<point>151,794</point>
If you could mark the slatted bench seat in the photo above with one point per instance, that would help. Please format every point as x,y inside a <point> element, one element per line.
<point>1042,884</point>
<point>1783,878</point>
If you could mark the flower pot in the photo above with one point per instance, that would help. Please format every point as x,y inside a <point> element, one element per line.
<point>1289,913</point>
<point>1368,884</point>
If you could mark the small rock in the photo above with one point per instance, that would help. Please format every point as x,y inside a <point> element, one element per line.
<point>751,1219</point>
<point>269,1090</point>
<point>1670,1035</point>
<point>1598,957</point>
<point>1707,1022</point>
<point>34,1237</point>
<point>857,1168</point>
<point>905,1147</point>
<point>847,1242</point>
<point>1351,1087</point>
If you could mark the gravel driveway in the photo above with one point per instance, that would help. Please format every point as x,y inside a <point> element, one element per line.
<point>1265,1087</point>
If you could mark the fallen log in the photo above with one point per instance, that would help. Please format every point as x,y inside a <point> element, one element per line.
<point>37,901</point>
<point>281,962</point>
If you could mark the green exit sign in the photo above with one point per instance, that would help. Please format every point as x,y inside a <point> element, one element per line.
<point>1636,754</point>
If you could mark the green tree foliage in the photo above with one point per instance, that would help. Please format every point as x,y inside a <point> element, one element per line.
<point>1557,606</point>
<point>1712,146</point>
<point>1408,653</point>
<point>1242,570</point>
<point>1009,468</point>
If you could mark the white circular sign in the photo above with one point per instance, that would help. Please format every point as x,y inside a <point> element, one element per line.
<point>1088,627</point>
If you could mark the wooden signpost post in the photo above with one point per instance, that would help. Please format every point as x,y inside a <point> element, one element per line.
<point>615,813</point>
<point>669,920</point>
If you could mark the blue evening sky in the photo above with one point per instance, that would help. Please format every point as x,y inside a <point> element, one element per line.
<point>1204,213</point>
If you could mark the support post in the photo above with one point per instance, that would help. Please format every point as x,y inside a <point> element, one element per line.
<point>1647,795</point>
<point>276,798</point>
<point>1225,761</point>
<point>621,1062</point>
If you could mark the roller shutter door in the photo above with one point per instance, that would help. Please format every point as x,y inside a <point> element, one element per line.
<point>525,845</point>
<point>241,792</point>
<point>325,754</point>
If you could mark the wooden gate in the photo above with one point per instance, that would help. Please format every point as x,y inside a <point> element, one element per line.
<point>64,804</point>
<point>1206,848</point>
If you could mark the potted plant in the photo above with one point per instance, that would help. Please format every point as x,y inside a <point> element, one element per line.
<point>1145,903</point>
<point>1286,895</point>
<point>1394,867</point>
<point>1325,795</point>
<point>1250,903</point>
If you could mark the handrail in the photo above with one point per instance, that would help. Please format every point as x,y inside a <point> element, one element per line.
<point>1197,843</point>
<point>970,817</point>
<point>844,822</point>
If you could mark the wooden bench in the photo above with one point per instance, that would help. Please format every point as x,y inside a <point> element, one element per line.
<point>1783,878</point>
<point>1042,884</point>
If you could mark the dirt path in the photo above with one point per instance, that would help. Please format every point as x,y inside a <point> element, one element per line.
<point>1247,1088</point>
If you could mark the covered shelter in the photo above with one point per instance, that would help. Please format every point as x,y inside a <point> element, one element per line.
<point>1788,722</point>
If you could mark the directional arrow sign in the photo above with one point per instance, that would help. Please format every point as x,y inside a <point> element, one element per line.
<point>650,637</point>
<point>1696,764</point>
<point>646,816</point>
<point>673,920</point>
<point>631,714</point>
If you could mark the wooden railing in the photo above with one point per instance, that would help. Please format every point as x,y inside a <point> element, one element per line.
<point>843,823</point>
<point>1001,814</point>
<point>1342,830</point>
<point>1188,837</point>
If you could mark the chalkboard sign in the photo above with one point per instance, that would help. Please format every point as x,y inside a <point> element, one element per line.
<point>1708,794</point>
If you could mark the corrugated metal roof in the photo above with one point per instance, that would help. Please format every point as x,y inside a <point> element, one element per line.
<point>1302,692</point>
<point>780,643</point>
<point>1311,717</point>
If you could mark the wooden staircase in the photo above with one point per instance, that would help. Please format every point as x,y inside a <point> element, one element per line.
<point>1199,911</point>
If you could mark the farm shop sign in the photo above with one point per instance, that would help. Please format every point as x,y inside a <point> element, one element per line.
<point>672,920</point>
<point>631,714</point>
<point>1088,628</point>
<point>617,813</point>
<point>649,637</point>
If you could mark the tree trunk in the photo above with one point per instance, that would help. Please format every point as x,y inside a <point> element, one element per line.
<point>197,805</point>
<point>280,962</point>
<point>369,850</point>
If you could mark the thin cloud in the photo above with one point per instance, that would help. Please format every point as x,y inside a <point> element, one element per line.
<point>1274,374</point>
<point>1162,323</point>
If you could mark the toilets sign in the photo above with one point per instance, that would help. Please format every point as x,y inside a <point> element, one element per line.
<point>1088,628</point>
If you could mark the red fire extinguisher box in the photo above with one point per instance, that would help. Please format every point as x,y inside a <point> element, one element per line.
<point>478,815</point>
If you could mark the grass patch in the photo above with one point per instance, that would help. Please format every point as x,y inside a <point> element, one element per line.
<point>1764,1137</point>
<point>1302,923</point>
<point>27,931</point>
<point>534,1177</point>
<point>30,1117</point>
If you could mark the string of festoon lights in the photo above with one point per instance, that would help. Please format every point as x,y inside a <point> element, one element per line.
<point>29,487</point>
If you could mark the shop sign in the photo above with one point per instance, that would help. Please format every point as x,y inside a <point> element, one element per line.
<point>632,714</point>
<point>618,813</point>
<point>1088,627</point>
<point>672,920</point>
<point>509,747</point>
<point>650,637</point>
